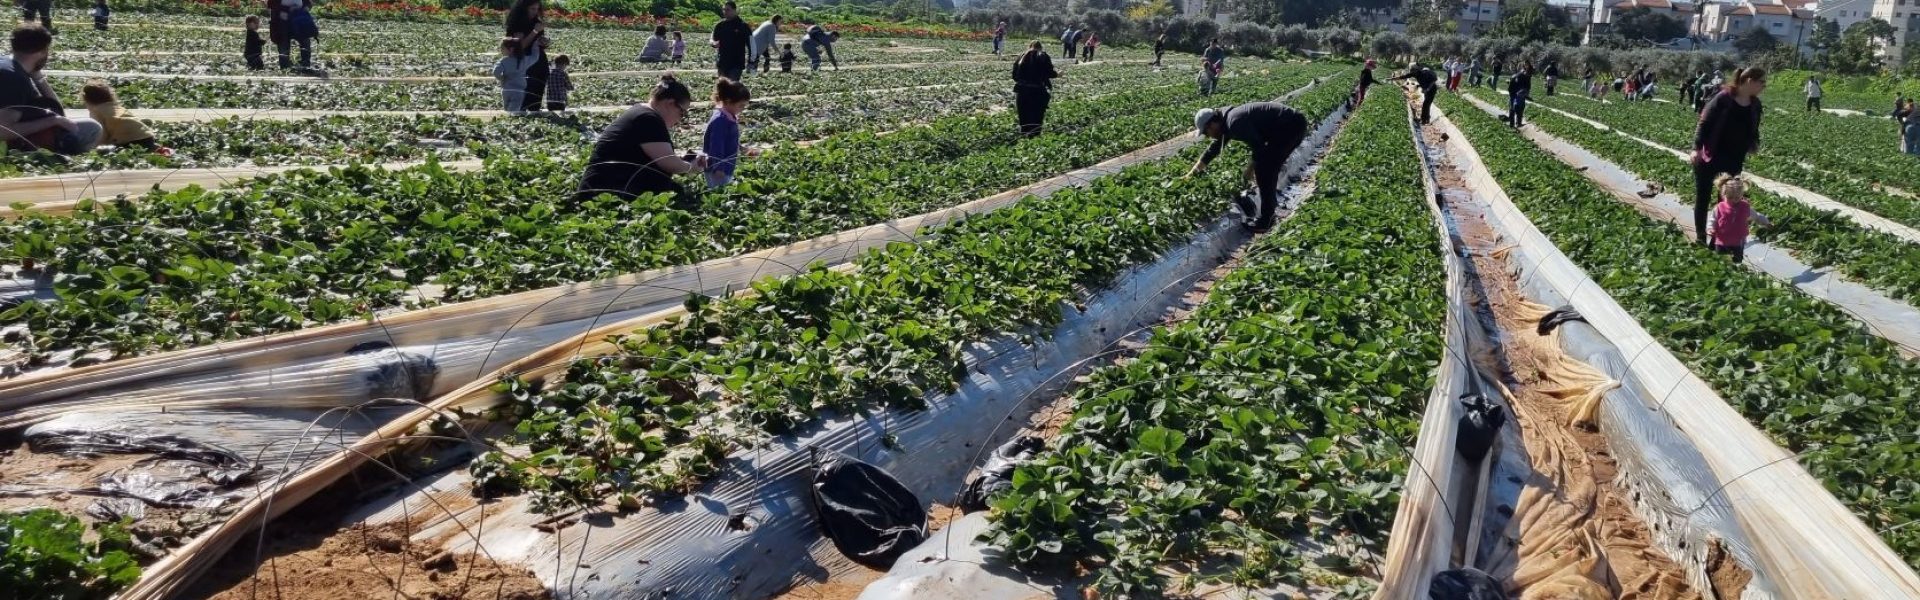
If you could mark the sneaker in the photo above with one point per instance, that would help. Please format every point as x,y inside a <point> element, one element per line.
<point>1246,205</point>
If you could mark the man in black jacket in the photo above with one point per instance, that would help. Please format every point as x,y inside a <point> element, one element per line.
<point>1272,130</point>
<point>1429,86</point>
<point>732,37</point>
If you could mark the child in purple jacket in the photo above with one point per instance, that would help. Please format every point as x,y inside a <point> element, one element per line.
<point>722,142</point>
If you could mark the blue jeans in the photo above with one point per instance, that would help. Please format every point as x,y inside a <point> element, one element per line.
<point>997,41</point>
<point>1517,109</point>
<point>306,53</point>
<point>83,138</point>
<point>1912,132</point>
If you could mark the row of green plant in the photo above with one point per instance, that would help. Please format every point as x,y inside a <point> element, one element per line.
<point>1820,238</point>
<point>484,94</point>
<point>1837,156</point>
<point>659,414</point>
<point>212,46</point>
<point>1275,419</point>
<point>1814,378</point>
<point>306,248</point>
<point>238,141</point>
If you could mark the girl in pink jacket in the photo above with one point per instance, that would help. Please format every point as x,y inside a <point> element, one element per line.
<point>1728,226</point>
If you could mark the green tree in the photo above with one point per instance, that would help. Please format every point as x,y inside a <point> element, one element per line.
<point>1754,42</point>
<point>1642,24</point>
<point>1859,49</point>
<point>1435,17</point>
<point>1533,21</point>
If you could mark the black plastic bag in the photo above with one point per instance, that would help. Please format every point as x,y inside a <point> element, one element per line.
<point>1479,425</point>
<point>1465,584</point>
<point>1559,316</point>
<point>997,476</point>
<point>868,514</point>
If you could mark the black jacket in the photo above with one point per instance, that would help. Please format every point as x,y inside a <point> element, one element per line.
<point>1266,127</point>
<point>1034,71</point>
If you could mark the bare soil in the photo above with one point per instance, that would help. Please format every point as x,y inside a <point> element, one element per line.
<point>308,556</point>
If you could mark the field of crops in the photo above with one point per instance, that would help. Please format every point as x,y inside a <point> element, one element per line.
<point>1805,371</point>
<point>421,363</point>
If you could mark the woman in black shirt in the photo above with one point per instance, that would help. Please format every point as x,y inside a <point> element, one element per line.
<point>524,23</point>
<point>634,155</point>
<point>1033,76</point>
<point>1729,130</point>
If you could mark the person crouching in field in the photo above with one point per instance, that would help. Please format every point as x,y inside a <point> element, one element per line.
<point>121,129</point>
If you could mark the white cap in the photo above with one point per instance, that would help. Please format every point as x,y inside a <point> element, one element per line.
<point>1202,118</point>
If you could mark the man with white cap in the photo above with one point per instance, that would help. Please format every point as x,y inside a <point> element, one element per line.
<point>1272,130</point>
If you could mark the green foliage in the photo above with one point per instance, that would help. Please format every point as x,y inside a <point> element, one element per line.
<point>1536,21</point>
<point>658,416</point>
<point>1277,413</point>
<point>45,555</point>
<point>1643,24</point>
<point>1754,42</point>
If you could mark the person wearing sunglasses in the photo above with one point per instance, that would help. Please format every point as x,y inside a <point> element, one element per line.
<point>635,154</point>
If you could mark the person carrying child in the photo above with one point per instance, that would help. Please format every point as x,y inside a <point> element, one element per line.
<point>511,72</point>
<point>786,58</point>
<point>559,84</point>
<point>721,143</point>
<point>121,129</point>
<point>1731,221</point>
<point>256,47</point>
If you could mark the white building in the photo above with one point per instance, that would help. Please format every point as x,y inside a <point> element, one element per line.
<point>1480,15</point>
<point>1725,21</point>
<point>1904,15</point>
<point>1687,13</point>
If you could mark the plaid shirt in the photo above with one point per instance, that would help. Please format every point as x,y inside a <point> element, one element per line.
<point>558,85</point>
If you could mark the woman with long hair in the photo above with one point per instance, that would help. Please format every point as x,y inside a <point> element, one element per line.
<point>524,23</point>
<point>1729,130</point>
<point>1033,76</point>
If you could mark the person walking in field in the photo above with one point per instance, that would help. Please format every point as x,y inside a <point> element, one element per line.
<point>256,47</point>
<point>1910,128</point>
<point>559,84</point>
<point>1729,130</point>
<point>1033,75</point>
<point>721,142</point>
<point>1066,41</point>
<point>1813,92</point>
<point>1429,87</point>
<point>634,155</point>
<point>1519,90</point>
<point>1553,77</point>
<point>1366,82</point>
<point>43,8</point>
<point>1732,218</point>
<point>1159,48</point>
<point>999,36</point>
<point>1272,131</point>
<point>1093,43</point>
<point>732,40</point>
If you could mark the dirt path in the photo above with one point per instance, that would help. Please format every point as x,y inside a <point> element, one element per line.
<point>1578,535</point>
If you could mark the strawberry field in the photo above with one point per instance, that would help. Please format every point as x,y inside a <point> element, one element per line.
<point>362,340</point>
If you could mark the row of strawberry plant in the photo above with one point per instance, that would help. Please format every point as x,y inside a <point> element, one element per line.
<point>194,267</point>
<point>1811,376</point>
<point>484,94</point>
<point>357,49</point>
<point>239,141</point>
<point>1279,412</point>
<point>1820,238</point>
<point>1821,153</point>
<point>659,414</point>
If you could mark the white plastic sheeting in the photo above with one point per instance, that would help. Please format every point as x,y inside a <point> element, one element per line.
<point>1799,541</point>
